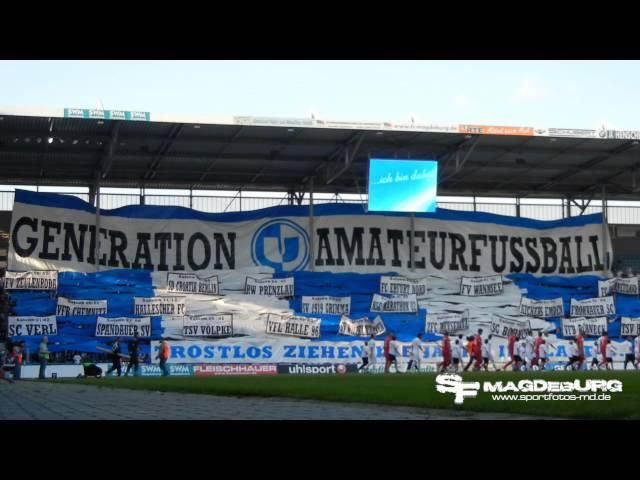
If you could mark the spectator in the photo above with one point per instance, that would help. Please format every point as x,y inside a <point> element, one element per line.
<point>163,356</point>
<point>115,358</point>
<point>134,359</point>
<point>77,359</point>
<point>43,354</point>
<point>18,350</point>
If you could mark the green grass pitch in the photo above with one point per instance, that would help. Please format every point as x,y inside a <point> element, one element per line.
<point>416,390</point>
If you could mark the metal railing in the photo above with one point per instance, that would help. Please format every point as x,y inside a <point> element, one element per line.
<point>214,204</point>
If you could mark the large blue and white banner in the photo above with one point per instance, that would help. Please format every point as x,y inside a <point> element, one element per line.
<point>253,351</point>
<point>58,232</point>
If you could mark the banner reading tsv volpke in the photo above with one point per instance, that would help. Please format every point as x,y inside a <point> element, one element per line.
<point>213,325</point>
<point>57,232</point>
<point>629,326</point>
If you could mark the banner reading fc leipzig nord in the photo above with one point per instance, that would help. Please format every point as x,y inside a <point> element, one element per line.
<point>58,232</point>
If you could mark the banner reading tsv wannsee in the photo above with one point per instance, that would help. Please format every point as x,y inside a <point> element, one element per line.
<point>58,232</point>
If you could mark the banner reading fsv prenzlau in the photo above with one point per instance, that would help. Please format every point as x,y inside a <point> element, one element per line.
<point>58,232</point>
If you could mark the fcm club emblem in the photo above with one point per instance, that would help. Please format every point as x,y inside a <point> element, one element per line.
<point>282,245</point>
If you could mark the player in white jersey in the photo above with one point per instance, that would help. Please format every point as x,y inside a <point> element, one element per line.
<point>629,352</point>
<point>416,353</point>
<point>457,352</point>
<point>522,352</point>
<point>365,356</point>
<point>610,352</point>
<point>394,352</point>
<point>543,352</point>
<point>637,351</point>
<point>368,354</point>
<point>595,354</point>
<point>529,352</point>
<point>372,352</point>
<point>572,353</point>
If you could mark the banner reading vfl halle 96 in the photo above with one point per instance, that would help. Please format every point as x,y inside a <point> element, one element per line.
<point>57,232</point>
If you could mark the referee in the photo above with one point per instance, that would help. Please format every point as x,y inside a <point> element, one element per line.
<point>134,356</point>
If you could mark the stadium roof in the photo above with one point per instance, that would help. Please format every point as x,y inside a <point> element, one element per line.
<point>139,149</point>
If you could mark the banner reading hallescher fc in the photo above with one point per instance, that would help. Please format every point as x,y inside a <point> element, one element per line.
<point>57,232</point>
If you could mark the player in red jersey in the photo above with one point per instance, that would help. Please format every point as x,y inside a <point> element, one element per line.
<point>512,354</point>
<point>446,353</point>
<point>604,346</point>
<point>387,358</point>
<point>477,350</point>
<point>536,348</point>
<point>580,344</point>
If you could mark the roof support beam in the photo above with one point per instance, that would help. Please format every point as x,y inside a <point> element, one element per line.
<point>107,159</point>
<point>471,145</point>
<point>585,165</point>
<point>215,158</point>
<point>164,148</point>
<point>349,154</point>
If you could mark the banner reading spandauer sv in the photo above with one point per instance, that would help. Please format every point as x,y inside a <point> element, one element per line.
<point>57,232</point>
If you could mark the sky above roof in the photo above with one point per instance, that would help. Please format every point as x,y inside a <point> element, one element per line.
<point>564,94</point>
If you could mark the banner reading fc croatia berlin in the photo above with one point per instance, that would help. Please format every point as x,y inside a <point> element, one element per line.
<point>58,232</point>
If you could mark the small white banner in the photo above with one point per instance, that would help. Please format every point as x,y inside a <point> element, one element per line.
<point>398,285</point>
<point>326,305</point>
<point>192,283</point>
<point>593,307</point>
<point>447,322</point>
<point>68,307</point>
<point>123,327</point>
<point>502,326</point>
<point>606,287</point>
<point>292,325</point>
<point>33,280</point>
<point>215,325</point>
<point>270,287</point>
<point>481,286</point>
<point>629,326</point>
<point>627,286</point>
<point>159,305</point>
<point>33,326</point>
<point>394,304</point>
<point>592,326</point>
<point>361,327</point>
<point>541,308</point>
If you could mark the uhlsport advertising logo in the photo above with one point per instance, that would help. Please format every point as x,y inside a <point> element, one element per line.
<point>529,389</point>
<point>282,245</point>
<point>309,369</point>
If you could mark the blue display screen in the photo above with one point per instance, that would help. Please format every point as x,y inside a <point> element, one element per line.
<point>402,185</point>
